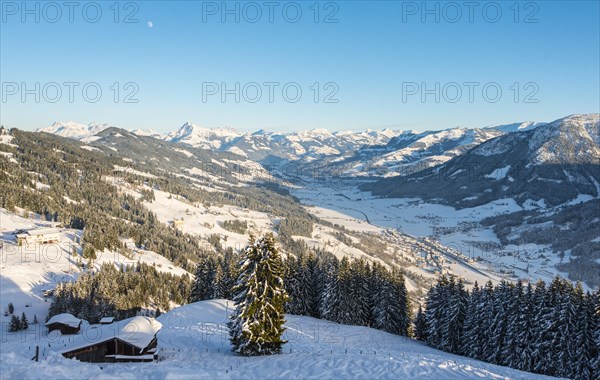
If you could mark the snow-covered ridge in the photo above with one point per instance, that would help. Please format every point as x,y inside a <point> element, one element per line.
<point>74,130</point>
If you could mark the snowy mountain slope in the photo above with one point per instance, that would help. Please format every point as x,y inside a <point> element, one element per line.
<point>168,157</point>
<point>308,145</point>
<point>555,163</point>
<point>74,130</point>
<point>188,202</point>
<point>193,343</point>
<point>410,151</point>
<point>366,153</point>
<point>201,137</point>
<point>551,172</point>
<point>147,132</point>
<point>27,271</point>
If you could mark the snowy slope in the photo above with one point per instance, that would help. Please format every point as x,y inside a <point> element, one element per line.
<point>366,153</point>
<point>200,137</point>
<point>555,163</point>
<point>27,271</point>
<point>74,130</point>
<point>193,343</point>
<point>411,151</point>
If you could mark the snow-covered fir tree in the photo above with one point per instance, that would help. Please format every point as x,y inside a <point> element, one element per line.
<point>256,325</point>
<point>311,284</point>
<point>24,322</point>
<point>420,325</point>
<point>550,330</point>
<point>204,283</point>
<point>473,334</point>
<point>454,317</point>
<point>15,324</point>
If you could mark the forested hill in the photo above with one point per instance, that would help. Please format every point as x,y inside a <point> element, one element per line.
<point>84,186</point>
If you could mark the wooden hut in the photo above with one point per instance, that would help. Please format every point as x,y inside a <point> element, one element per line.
<point>66,323</point>
<point>130,340</point>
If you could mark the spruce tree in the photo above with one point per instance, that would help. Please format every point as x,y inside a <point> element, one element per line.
<point>360,298</point>
<point>500,323</point>
<point>204,284</point>
<point>525,326</point>
<point>511,354</point>
<point>420,325</point>
<point>24,322</point>
<point>333,300</point>
<point>311,285</point>
<point>595,352</point>
<point>473,334</point>
<point>487,314</point>
<point>548,340</point>
<point>295,304</point>
<point>15,324</point>
<point>11,308</point>
<point>256,325</point>
<point>434,312</point>
<point>582,366</point>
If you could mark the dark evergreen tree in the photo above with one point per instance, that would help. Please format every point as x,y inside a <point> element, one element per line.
<point>311,284</point>
<point>331,303</point>
<point>548,341</point>
<point>454,317</point>
<point>205,283</point>
<point>473,334</point>
<point>525,327</point>
<point>515,308</point>
<point>295,305</point>
<point>359,299</point>
<point>487,316</point>
<point>24,322</point>
<point>256,325</point>
<point>15,324</point>
<point>595,352</point>
<point>11,308</point>
<point>434,311</point>
<point>420,325</point>
<point>582,359</point>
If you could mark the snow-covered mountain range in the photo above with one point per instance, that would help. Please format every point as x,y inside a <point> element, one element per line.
<point>365,153</point>
<point>74,130</point>
<point>556,162</point>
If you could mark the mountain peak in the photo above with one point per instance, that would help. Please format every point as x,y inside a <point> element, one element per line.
<point>74,130</point>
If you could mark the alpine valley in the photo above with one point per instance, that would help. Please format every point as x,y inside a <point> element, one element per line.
<point>140,217</point>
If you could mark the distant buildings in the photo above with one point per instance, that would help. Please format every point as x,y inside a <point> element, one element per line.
<point>39,236</point>
<point>177,223</point>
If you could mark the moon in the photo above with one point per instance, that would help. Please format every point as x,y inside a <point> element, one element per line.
<point>150,24</point>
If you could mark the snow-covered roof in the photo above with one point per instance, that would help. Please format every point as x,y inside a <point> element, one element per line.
<point>107,320</point>
<point>65,319</point>
<point>43,231</point>
<point>137,331</point>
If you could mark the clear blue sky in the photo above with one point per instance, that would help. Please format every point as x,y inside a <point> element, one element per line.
<point>371,53</point>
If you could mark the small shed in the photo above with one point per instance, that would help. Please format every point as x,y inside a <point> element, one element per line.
<point>129,340</point>
<point>107,320</point>
<point>65,322</point>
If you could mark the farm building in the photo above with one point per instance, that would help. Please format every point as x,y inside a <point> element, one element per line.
<point>129,340</point>
<point>39,236</point>
<point>177,223</point>
<point>107,320</point>
<point>66,323</point>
